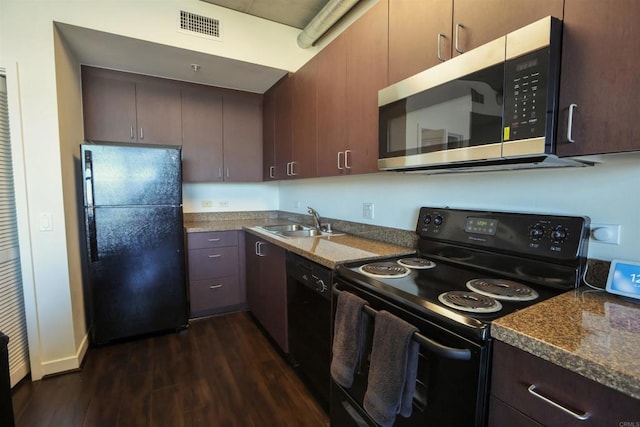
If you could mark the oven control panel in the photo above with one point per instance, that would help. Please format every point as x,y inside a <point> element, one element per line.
<point>549,236</point>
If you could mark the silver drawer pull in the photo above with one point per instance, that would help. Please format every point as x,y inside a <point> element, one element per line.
<point>215,256</point>
<point>215,286</point>
<point>582,417</point>
<point>214,240</point>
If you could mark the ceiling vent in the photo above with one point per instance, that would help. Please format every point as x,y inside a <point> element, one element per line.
<point>200,25</point>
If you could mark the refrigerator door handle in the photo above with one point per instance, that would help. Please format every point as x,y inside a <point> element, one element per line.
<point>88,178</point>
<point>92,234</point>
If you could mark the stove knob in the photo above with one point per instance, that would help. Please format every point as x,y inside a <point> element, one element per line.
<point>427,219</point>
<point>559,233</point>
<point>320,286</point>
<point>536,232</point>
<point>437,220</point>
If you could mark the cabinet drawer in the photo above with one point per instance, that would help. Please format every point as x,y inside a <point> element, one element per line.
<point>213,262</point>
<point>210,294</point>
<point>514,372</point>
<point>212,239</point>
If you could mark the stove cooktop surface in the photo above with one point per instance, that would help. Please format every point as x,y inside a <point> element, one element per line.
<point>424,286</point>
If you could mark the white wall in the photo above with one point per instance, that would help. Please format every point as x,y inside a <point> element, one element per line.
<point>45,115</point>
<point>230,197</point>
<point>606,193</point>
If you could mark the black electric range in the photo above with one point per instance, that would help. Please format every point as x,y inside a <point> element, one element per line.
<point>494,262</point>
<point>546,253</point>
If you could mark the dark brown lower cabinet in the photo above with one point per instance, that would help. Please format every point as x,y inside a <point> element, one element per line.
<point>267,287</point>
<point>524,386</point>
<point>216,282</point>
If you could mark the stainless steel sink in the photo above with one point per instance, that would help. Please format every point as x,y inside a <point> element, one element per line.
<point>312,232</point>
<point>284,228</point>
<point>296,230</point>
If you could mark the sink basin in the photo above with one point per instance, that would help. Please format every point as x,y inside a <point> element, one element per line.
<point>284,228</point>
<point>311,232</point>
<point>295,230</point>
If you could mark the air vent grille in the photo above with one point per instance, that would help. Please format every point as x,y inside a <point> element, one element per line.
<point>203,25</point>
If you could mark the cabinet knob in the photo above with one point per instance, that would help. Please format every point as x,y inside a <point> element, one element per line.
<point>440,37</point>
<point>215,286</point>
<point>215,256</point>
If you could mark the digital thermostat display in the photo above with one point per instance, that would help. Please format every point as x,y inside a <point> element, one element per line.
<point>481,226</point>
<point>624,278</point>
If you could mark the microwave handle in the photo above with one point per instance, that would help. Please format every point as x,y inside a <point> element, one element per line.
<point>572,108</point>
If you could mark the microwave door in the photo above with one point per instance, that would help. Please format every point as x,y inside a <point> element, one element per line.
<point>448,114</point>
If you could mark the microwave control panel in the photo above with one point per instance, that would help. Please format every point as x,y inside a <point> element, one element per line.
<point>527,96</point>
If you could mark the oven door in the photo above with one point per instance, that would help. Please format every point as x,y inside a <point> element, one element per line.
<point>449,392</point>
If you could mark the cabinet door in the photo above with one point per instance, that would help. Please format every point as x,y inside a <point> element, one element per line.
<point>275,293</point>
<point>213,262</point>
<point>242,130</point>
<point>109,108</point>
<point>159,113</point>
<point>283,133</point>
<point>478,22</point>
<point>254,277</point>
<point>600,76</point>
<point>414,28</point>
<point>201,135</point>
<point>367,58</point>
<point>268,136</point>
<point>304,120</point>
<point>332,107</point>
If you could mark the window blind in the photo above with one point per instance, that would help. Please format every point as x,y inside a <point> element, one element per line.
<point>12,316</point>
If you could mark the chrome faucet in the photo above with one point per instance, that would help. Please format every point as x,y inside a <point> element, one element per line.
<point>316,217</point>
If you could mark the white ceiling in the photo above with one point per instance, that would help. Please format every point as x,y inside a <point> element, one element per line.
<point>295,13</point>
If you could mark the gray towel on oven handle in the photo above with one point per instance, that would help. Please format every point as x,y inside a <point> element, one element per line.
<point>393,369</point>
<point>348,336</point>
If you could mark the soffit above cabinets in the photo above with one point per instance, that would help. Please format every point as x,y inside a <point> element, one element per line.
<point>106,50</point>
<point>294,13</point>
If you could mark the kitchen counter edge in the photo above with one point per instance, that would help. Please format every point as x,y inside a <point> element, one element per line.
<point>589,332</point>
<point>328,251</point>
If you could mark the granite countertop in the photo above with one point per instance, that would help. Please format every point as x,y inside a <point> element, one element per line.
<point>328,251</point>
<point>587,331</point>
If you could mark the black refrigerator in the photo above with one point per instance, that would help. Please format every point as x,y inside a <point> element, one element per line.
<point>134,236</point>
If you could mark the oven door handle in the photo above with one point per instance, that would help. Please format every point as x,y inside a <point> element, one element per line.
<point>427,343</point>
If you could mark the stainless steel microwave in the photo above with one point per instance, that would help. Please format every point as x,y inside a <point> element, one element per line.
<point>493,106</point>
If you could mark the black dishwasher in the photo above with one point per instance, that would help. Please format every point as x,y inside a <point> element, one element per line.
<point>309,322</point>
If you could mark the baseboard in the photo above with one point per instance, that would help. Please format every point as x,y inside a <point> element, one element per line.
<point>67,364</point>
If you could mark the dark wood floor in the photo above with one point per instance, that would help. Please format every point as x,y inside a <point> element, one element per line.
<point>220,372</point>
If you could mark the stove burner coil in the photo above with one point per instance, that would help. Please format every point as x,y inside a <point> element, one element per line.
<point>388,270</point>
<point>471,302</point>
<point>501,289</point>
<point>416,263</point>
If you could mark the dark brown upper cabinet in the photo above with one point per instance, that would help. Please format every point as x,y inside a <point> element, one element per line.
<point>332,107</point>
<point>423,33</point>
<point>202,150</point>
<point>120,108</point>
<point>277,130</point>
<point>304,144</point>
<point>351,71</point>
<point>220,130</point>
<point>419,36</point>
<point>242,137</point>
<point>599,84</point>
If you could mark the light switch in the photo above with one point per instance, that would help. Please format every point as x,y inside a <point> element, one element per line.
<point>46,221</point>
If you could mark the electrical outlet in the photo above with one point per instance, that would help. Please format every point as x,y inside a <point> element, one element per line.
<point>605,233</point>
<point>367,210</point>
<point>223,204</point>
<point>296,204</point>
<point>207,203</point>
